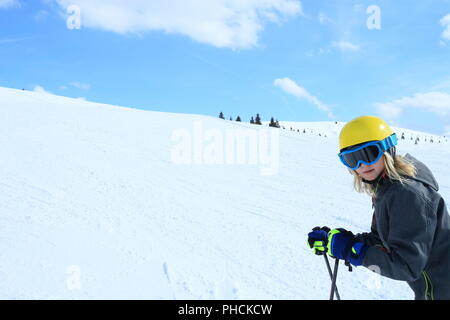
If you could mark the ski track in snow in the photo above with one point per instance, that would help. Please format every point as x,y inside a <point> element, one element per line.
<point>93,208</point>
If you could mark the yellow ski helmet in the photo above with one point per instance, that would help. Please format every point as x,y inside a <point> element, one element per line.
<point>363,129</point>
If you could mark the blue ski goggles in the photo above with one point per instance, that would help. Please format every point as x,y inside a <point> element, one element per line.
<point>367,153</point>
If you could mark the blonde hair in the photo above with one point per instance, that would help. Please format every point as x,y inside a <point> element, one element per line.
<point>397,169</point>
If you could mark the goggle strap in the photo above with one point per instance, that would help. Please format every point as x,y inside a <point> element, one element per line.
<point>389,142</point>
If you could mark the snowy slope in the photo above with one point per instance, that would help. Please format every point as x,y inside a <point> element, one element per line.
<point>332,129</point>
<point>92,205</point>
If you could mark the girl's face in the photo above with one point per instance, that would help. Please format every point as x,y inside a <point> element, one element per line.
<point>371,172</point>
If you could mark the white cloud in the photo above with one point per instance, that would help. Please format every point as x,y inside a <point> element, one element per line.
<point>41,15</point>
<point>358,7</point>
<point>40,89</point>
<point>75,84</point>
<point>223,23</point>
<point>435,102</point>
<point>9,3</point>
<point>442,85</point>
<point>390,110</point>
<point>80,85</point>
<point>324,19</point>
<point>445,22</point>
<point>11,40</point>
<point>345,46</point>
<point>318,52</point>
<point>447,131</point>
<point>294,89</point>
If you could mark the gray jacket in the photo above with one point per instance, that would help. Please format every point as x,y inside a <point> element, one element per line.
<point>410,236</point>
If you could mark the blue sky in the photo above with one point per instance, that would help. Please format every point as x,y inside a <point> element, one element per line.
<point>310,60</point>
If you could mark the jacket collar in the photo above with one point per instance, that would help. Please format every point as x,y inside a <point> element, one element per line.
<point>380,184</point>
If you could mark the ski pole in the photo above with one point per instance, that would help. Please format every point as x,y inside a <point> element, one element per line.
<point>331,275</point>
<point>333,282</point>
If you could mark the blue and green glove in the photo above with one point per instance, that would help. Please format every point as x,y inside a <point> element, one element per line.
<point>339,243</point>
<point>343,245</point>
<point>318,239</point>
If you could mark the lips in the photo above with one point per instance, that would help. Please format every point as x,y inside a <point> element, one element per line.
<point>369,171</point>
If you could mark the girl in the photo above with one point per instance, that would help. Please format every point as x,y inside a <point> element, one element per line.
<point>410,233</point>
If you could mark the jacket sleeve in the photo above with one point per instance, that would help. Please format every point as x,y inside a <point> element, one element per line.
<point>370,238</point>
<point>410,234</point>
